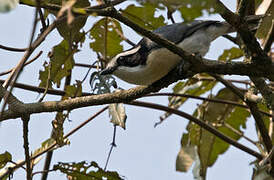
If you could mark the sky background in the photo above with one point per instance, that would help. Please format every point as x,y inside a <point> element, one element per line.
<point>142,152</point>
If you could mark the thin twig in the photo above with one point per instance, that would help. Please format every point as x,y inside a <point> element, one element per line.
<point>13,49</point>
<point>40,89</point>
<point>240,133</point>
<point>232,39</point>
<point>85,122</point>
<point>42,19</point>
<point>85,65</point>
<point>40,172</point>
<point>35,21</point>
<point>112,145</point>
<point>206,99</point>
<point>122,35</point>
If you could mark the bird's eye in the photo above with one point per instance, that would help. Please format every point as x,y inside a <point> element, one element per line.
<point>120,60</point>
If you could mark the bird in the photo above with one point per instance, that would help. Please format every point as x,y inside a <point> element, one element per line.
<point>147,62</point>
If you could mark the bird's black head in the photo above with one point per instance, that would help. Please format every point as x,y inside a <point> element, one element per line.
<point>129,58</point>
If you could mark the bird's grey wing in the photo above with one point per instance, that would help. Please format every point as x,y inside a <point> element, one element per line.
<point>175,33</point>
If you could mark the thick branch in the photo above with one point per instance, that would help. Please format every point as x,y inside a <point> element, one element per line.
<point>235,68</point>
<point>11,100</point>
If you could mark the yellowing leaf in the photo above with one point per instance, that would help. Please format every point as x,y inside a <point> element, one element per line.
<point>118,114</point>
<point>230,54</point>
<point>4,159</point>
<point>185,158</point>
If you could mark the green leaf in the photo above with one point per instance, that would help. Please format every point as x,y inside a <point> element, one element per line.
<point>4,159</point>
<point>214,113</point>
<point>72,32</point>
<point>225,118</point>
<point>192,9</point>
<point>61,62</point>
<point>106,40</point>
<point>8,5</point>
<point>189,9</point>
<point>86,171</point>
<point>144,16</point>
<point>230,54</point>
<point>118,114</point>
<point>236,120</point>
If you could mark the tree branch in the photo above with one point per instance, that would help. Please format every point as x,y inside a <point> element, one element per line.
<point>13,49</point>
<point>222,101</point>
<point>25,119</point>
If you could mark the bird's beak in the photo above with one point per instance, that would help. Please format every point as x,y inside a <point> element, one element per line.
<point>108,70</point>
